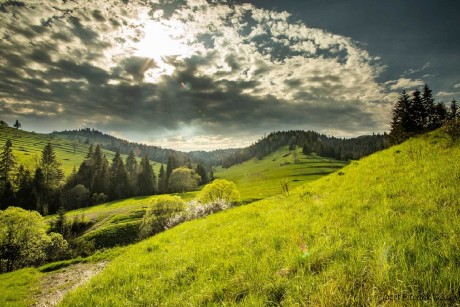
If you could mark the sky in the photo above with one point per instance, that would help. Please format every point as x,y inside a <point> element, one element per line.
<point>210,74</point>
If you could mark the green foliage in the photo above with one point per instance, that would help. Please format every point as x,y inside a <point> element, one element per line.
<point>386,233</point>
<point>219,190</point>
<point>183,179</point>
<point>7,162</point>
<point>76,197</point>
<point>113,235</point>
<point>22,239</point>
<point>415,115</point>
<point>57,248</point>
<point>160,210</point>
<point>452,129</point>
<point>145,178</point>
<point>51,167</point>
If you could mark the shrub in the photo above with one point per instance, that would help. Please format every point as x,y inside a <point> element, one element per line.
<point>452,128</point>
<point>219,190</point>
<point>58,248</point>
<point>23,239</point>
<point>113,235</point>
<point>158,214</point>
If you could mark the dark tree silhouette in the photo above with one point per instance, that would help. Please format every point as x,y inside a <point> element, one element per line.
<point>17,124</point>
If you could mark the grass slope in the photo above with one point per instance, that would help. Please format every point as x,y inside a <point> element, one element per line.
<point>383,231</point>
<point>27,148</point>
<point>258,179</point>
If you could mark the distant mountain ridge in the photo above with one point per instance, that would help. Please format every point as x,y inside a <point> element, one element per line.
<point>310,141</point>
<point>156,153</point>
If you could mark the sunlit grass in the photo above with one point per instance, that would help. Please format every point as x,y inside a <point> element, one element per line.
<point>383,231</point>
<point>17,288</point>
<point>258,179</point>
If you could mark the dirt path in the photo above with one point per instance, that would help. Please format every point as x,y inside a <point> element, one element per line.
<point>55,285</point>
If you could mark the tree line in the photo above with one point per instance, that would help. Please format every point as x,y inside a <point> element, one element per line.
<point>310,141</point>
<point>155,153</point>
<point>95,181</point>
<point>418,113</point>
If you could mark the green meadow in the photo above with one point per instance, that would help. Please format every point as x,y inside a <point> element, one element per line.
<point>257,179</point>
<point>382,231</point>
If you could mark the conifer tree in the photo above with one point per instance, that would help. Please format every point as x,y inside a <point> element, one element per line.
<point>145,178</point>
<point>162,183</point>
<point>401,121</point>
<point>7,163</point>
<point>131,169</point>
<point>51,167</point>
<point>39,191</point>
<point>429,108</point>
<point>170,166</point>
<point>201,171</point>
<point>24,195</point>
<point>417,113</point>
<point>119,187</point>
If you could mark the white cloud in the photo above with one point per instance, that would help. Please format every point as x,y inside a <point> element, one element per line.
<point>404,84</point>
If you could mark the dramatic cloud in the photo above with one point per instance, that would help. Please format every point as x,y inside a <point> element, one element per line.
<point>187,74</point>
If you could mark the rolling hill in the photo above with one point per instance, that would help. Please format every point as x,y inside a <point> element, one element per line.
<point>382,231</point>
<point>27,148</point>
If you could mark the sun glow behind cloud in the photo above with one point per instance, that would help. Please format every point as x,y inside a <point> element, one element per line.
<point>160,41</point>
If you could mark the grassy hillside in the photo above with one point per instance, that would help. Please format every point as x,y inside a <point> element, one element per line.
<point>258,179</point>
<point>383,231</point>
<point>27,148</point>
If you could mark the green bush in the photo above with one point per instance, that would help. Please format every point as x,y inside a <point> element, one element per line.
<point>219,190</point>
<point>113,235</point>
<point>158,214</point>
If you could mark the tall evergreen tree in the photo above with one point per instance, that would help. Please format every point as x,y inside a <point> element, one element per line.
<point>119,187</point>
<point>7,163</point>
<point>131,169</point>
<point>145,178</point>
<point>429,108</point>
<point>40,191</point>
<point>401,120</point>
<point>170,166</point>
<point>201,171</point>
<point>7,196</point>
<point>51,167</point>
<point>25,189</point>
<point>417,113</point>
<point>440,116</point>
<point>162,183</point>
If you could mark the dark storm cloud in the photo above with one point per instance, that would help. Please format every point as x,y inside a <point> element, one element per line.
<point>250,71</point>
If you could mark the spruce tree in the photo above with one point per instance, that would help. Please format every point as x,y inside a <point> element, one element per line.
<point>119,187</point>
<point>201,171</point>
<point>40,191</point>
<point>51,167</point>
<point>145,178</point>
<point>131,169</point>
<point>417,113</point>
<point>162,183</point>
<point>7,163</point>
<point>429,108</point>
<point>170,166</point>
<point>25,188</point>
<point>401,121</point>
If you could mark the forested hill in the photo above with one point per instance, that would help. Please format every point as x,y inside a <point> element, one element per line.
<point>156,153</point>
<point>310,141</point>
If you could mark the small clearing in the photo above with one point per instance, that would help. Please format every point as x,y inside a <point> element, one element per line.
<point>55,285</point>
